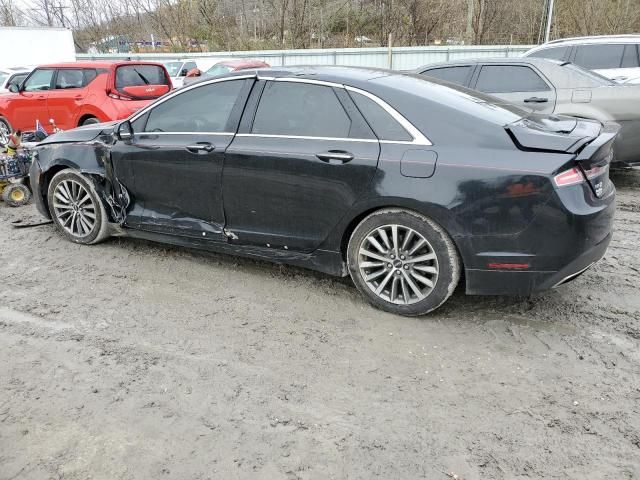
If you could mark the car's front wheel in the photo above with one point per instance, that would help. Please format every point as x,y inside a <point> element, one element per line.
<point>5,131</point>
<point>76,209</point>
<point>403,262</point>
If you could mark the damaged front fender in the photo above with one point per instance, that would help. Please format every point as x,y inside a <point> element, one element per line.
<point>93,159</point>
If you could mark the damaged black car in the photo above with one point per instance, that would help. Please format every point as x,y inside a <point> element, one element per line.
<point>407,184</point>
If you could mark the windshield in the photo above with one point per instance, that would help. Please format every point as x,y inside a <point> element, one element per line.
<point>218,69</point>
<point>173,68</point>
<point>3,78</point>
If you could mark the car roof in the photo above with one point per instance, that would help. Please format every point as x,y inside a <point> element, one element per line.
<point>474,61</point>
<point>96,64</point>
<point>240,62</point>
<point>337,74</point>
<point>629,38</point>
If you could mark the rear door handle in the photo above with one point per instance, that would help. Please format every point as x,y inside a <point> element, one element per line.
<point>201,147</point>
<point>335,156</point>
<point>536,100</point>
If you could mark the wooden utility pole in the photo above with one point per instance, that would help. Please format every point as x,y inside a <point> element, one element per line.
<point>549,21</point>
<point>470,11</point>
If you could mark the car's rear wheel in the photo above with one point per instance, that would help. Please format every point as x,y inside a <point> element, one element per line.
<point>403,262</point>
<point>76,208</point>
<point>5,130</point>
<point>89,121</point>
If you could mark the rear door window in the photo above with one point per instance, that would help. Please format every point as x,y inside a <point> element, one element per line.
<point>301,110</point>
<point>70,78</point>
<point>510,79</point>
<point>554,53</point>
<point>202,109</point>
<point>139,76</point>
<point>595,57</point>
<point>458,74</point>
<point>40,79</point>
<point>381,122</point>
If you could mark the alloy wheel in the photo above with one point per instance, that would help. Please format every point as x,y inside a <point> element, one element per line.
<point>74,208</point>
<point>398,264</point>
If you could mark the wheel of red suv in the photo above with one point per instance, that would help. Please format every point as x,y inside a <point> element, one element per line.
<point>5,130</point>
<point>90,121</point>
<point>403,262</point>
<point>76,209</point>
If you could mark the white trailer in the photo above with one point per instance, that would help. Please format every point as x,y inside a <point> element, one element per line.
<point>35,46</point>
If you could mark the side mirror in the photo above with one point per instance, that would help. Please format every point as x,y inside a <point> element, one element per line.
<point>124,131</point>
<point>183,72</point>
<point>13,88</point>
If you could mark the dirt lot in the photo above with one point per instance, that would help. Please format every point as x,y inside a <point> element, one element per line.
<point>130,360</point>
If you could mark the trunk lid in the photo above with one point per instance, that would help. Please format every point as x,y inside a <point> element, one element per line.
<point>553,133</point>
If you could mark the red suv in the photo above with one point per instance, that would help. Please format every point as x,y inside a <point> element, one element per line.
<point>81,93</point>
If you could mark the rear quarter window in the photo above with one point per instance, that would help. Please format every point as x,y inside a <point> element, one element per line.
<point>554,53</point>
<point>381,122</point>
<point>457,75</point>
<point>140,75</point>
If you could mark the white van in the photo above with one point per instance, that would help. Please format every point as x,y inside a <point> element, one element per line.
<point>614,56</point>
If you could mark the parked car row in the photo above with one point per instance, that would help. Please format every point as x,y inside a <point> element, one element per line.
<point>495,171</point>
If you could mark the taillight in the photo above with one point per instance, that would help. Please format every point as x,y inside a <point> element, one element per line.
<point>117,95</point>
<point>575,175</point>
<point>569,177</point>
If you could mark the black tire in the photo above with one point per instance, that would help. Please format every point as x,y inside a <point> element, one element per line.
<point>68,179</point>
<point>16,194</point>
<point>5,130</point>
<point>89,121</point>
<point>443,269</point>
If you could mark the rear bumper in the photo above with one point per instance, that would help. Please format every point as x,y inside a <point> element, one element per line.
<point>500,282</point>
<point>561,243</point>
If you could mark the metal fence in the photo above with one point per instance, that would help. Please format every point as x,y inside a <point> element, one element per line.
<point>399,58</point>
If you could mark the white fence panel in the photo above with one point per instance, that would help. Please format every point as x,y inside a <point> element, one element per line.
<point>403,58</point>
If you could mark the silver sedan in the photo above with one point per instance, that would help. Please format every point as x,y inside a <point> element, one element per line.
<point>550,86</point>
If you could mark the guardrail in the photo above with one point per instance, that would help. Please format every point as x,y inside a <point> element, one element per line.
<point>399,58</point>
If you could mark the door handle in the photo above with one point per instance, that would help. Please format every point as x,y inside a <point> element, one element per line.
<point>536,100</point>
<point>335,156</point>
<point>201,147</point>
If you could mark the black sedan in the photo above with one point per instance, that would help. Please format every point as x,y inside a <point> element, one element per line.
<point>404,183</point>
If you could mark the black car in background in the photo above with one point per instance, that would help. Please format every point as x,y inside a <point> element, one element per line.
<point>406,184</point>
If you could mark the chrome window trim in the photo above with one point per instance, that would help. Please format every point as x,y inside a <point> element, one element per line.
<point>306,137</point>
<point>183,133</point>
<point>181,90</point>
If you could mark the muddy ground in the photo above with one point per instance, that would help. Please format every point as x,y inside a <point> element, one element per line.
<point>132,360</point>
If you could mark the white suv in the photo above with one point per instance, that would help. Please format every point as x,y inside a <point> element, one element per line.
<point>614,56</point>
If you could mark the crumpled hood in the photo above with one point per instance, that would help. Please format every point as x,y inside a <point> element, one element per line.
<point>81,134</point>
